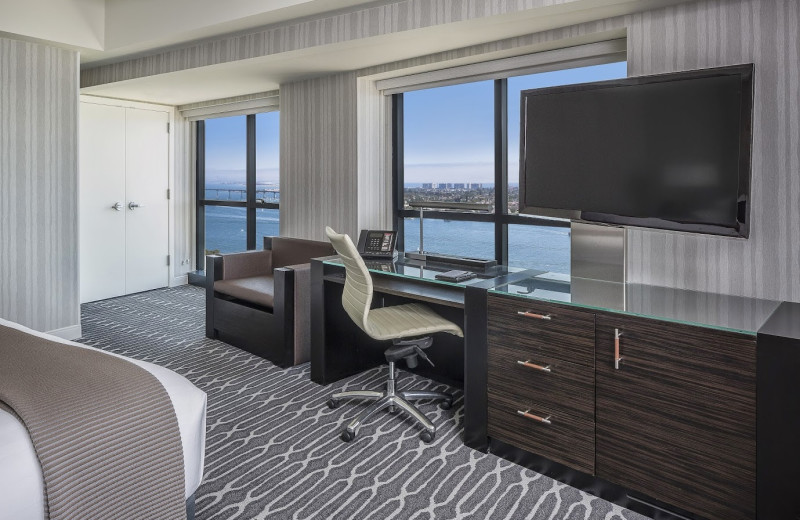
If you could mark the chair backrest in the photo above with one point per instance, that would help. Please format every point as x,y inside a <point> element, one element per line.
<point>293,251</point>
<point>357,295</point>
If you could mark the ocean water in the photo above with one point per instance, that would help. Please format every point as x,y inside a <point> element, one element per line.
<point>226,228</point>
<point>531,247</point>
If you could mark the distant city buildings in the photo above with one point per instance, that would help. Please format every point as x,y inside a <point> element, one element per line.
<point>459,192</point>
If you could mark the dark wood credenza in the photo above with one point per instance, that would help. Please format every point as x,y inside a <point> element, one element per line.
<point>700,418</point>
<point>672,426</point>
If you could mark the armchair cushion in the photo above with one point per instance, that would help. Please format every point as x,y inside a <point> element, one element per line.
<point>255,289</point>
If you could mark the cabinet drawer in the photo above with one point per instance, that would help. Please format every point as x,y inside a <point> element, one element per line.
<point>676,421</point>
<point>565,439</point>
<point>545,381</point>
<point>541,329</point>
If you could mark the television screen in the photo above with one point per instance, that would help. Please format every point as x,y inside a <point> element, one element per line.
<point>670,151</point>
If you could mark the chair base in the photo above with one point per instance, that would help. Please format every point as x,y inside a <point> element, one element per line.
<point>392,400</point>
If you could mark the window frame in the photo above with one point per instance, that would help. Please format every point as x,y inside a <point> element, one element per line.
<point>499,216</point>
<point>251,203</point>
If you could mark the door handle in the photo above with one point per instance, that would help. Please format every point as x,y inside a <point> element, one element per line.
<point>617,356</point>
<point>133,205</point>
<point>117,206</point>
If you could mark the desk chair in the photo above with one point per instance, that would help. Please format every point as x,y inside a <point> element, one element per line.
<point>408,327</point>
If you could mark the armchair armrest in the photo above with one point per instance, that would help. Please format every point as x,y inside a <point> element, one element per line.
<point>302,312</point>
<point>226,267</point>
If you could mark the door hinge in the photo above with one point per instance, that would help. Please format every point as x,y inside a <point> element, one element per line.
<point>168,194</point>
<point>168,258</point>
<point>167,127</point>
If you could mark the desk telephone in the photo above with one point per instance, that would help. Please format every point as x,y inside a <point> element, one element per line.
<point>377,244</point>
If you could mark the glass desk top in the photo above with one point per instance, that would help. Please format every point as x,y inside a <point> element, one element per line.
<point>725,312</point>
<point>408,268</point>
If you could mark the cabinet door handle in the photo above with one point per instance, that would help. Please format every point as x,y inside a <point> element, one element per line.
<point>617,356</point>
<point>534,315</point>
<point>545,420</point>
<point>534,366</point>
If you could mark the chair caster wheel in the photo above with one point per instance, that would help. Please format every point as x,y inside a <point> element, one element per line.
<point>427,437</point>
<point>446,405</point>
<point>347,436</point>
<point>333,403</point>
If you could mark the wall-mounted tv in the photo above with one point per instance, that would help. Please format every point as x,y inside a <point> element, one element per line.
<point>670,151</point>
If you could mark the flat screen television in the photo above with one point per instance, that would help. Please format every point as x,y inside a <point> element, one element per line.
<point>670,151</point>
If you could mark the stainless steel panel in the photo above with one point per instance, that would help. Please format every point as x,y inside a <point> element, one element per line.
<point>598,252</point>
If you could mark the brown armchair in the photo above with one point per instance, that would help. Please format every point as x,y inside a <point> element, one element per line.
<point>260,300</point>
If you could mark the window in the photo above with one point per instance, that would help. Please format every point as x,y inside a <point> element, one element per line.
<point>455,146</point>
<point>237,177</point>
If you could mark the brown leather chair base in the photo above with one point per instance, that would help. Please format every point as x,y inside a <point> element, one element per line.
<point>259,301</point>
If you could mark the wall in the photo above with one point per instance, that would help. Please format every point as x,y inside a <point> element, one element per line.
<point>39,187</point>
<point>319,164</point>
<point>726,32</point>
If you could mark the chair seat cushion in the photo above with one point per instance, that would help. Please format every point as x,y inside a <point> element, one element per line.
<point>405,321</point>
<point>259,290</point>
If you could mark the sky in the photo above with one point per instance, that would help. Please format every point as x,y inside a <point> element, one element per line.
<point>448,131</point>
<point>226,149</point>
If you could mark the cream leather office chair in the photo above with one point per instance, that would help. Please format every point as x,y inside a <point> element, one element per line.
<point>408,327</point>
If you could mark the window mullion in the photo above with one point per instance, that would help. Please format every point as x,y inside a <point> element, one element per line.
<point>200,195</point>
<point>500,169</point>
<point>398,172</point>
<point>251,181</point>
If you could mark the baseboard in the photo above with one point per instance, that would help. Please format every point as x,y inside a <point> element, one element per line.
<point>70,333</point>
<point>179,280</point>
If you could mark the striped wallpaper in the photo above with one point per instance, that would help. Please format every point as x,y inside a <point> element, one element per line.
<point>318,163</point>
<point>724,32</point>
<point>39,186</point>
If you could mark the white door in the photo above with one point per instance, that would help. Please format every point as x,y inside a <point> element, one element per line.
<point>124,158</point>
<point>147,223</point>
<point>102,186</point>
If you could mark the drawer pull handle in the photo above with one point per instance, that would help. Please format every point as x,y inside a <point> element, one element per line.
<point>617,356</point>
<point>545,420</point>
<point>534,366</point>
<point>534,315</point>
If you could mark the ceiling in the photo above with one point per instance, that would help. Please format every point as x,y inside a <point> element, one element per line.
<point>268,72</point>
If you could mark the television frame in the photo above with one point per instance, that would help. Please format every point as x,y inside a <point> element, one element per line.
<point>741,230</point>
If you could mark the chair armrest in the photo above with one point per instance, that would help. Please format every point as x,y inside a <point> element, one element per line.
<point>244,265</point>
<point>302,312</point>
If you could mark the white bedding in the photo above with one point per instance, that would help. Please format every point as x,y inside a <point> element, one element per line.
<point>21,485</point>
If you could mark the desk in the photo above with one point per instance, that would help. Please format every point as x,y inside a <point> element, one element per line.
<point>340,349</point>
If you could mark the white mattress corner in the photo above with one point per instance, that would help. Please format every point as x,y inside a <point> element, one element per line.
<point>21,485</point>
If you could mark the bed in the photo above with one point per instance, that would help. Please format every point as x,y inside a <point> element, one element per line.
<point>21,483</point>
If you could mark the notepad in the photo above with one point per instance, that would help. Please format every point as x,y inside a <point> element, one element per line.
<point>455,276</point>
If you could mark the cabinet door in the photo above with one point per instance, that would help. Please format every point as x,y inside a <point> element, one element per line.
<point>676,420</point>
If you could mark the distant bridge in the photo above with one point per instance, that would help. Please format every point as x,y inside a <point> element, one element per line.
<point>265,194</point>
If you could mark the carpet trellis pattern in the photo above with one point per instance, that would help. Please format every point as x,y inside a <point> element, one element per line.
<point>273,448</point>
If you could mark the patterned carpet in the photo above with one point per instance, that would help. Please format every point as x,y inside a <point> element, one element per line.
<point>273,448</point>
